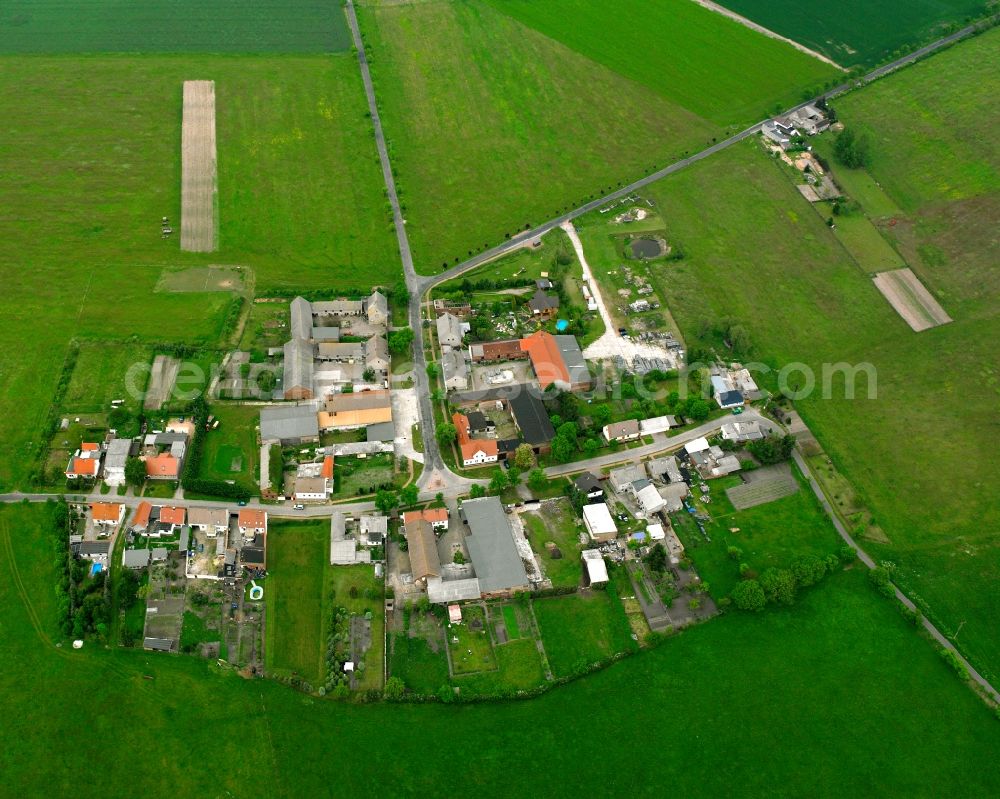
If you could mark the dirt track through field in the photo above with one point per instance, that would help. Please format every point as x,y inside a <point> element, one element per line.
<point>911,299</point>
<point>161,381</point>
<point>199,189</point>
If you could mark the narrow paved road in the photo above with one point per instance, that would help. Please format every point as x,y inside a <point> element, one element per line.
<point>426,282</point>
<point>434,468</point>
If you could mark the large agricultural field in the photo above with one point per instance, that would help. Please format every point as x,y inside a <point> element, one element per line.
<point>92,155</point>
<point>493,125</point>
<point>758,255</point>
<point>172,26</point>
<point>857,31</point>
<point>836,674</point>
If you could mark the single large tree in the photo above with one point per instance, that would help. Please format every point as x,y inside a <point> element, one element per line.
<point>748,595</point>
<point>135,471</point>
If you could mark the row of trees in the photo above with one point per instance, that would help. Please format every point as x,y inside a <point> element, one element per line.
<point>780,586</point>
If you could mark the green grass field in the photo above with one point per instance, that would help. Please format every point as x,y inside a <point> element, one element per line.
<point>580,629</point>
<point>477,105</point>
<point>231,451</point>
<point>172,26</point>
<point>297,598</point>
<point>857,32</point>
<point>827,688</point>
<point>300,204</point>
<point>422,670</point>
<point>556,522</point>
<point>769,262</point>
<point>701,60</point>
<point>773,534</point>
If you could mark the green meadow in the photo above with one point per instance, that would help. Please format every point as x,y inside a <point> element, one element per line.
<point>500,116</point>
<point>172,26</point>
<point>858,31</point>
<point>825,688</point>
<point>92,159</point>
<point>918,455</point>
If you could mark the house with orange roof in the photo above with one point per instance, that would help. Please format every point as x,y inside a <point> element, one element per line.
<point>252,521</point>
<point>436,517</point>
<point>140,521</point>
<point>107,514</point>
<point>85,463</point>
<point>475,451</point>
<point>558,361</point>
<point>172,515</point>
<point>162,467</point>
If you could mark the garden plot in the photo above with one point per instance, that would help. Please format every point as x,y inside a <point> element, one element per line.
<point>199,179</point>
<point>763,486</point>
<point>910,299</point>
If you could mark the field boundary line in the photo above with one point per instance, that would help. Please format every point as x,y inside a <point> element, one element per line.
<point>756,26</point>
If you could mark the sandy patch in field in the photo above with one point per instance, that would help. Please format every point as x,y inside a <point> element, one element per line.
<point>199,179</point>
<point>911,300</point>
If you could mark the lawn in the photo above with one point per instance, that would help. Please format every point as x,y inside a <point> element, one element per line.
<point>768,535</point>
<point>519,667</point>
<point>172,26</point>
<point>357,589</point>
<point>477,105</point>
<point>230,451</point>
<point>819,684</point>
<point>297,598</point>
<point>469,643</point>
<point>102,374</point>
<point>556,521</point>
<point>767,261</point>
<point>354,476</point>
<point>709,64</point>
<point>421,669</point>
<point>300,199</point>
<point>857,31</point>
<point>583,628</point>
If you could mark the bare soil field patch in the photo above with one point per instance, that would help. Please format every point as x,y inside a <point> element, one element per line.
<point>161,381</point>
<point>203,278</point>
<point>199,177</point>
<point>911,300</point>
<point>763,486</point>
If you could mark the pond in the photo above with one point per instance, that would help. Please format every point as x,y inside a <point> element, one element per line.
<point>647,248</point>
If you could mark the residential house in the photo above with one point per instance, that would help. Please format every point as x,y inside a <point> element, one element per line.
<point>456,370</point>
<point>95,551</point>
<point>648,497</point>
<point>480,424</point>
<point>494,555</point>
<point>164,466</point>
<point>558,361</point>
<point>253,553</point>
<point>115,459</point>
<point>314,481</point>
<point>741,432</point>
<point>474,451</point>
<point>673,495</point>
<point>289,424</point>
<point>600,525</point>
<point>377,354</point>
<point>437,518</point>
<point>665,469</point>
<point>714,462</point>
<point>617,432</point>
<point>621,479</point>
<point>590,486</point>
<point>85,463</point>
<point>779,130</point>
<point>140,521</point>
<point>451,330</point>
<point>107,514</point>
<point>252,522</point>
<point>421,545</point>
<point>726,393</point>
<point>658,424</point>
<point>374,529</point>
<point>172,517</point>
<point>595,570</point>
<point>135,558</point>
<point>542,305</point>
<point>377,309</point>
<point>352,410</point>
<point>211,521</point>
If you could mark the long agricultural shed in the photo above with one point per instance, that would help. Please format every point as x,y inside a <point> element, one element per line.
<point>199,177</point>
